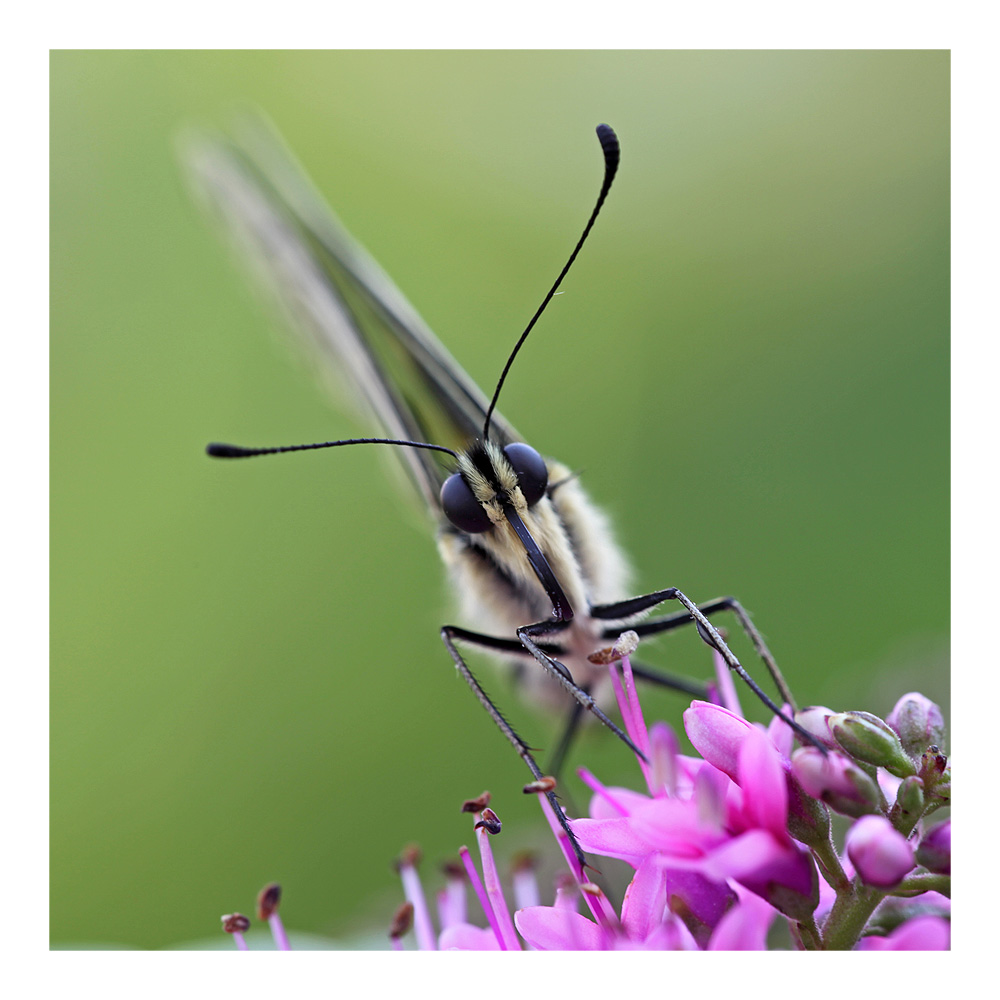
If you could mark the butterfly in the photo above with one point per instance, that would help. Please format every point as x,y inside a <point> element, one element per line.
<point>533,560</point>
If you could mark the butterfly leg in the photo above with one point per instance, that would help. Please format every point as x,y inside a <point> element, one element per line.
<point>527,635</point>
<point>698,615</point>
<point>669,622</point>
<point>449,634</point>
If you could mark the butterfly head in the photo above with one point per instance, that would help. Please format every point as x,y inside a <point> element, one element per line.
<point>490,481</point>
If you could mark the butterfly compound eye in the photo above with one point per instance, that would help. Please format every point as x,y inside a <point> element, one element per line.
<point>461,507</point>
<point>532,475</point>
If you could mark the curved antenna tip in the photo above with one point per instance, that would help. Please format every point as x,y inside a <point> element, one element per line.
<point>217,450</point>
<point>607,135</point>
<point>609,143</point>
<point>612,157</point>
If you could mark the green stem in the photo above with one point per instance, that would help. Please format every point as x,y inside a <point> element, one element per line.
<point>923,882</point>
<point>849,915</point>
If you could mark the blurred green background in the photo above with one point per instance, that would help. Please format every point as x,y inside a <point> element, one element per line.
<point>749,365</point>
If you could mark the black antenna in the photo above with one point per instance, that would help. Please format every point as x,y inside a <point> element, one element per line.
<point>612,155</point>
<point>235,451</point>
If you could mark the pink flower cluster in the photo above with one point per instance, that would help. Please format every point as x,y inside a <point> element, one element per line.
<point>723,844</point>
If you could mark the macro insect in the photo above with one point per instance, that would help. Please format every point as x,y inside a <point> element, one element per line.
<point>533,560</point>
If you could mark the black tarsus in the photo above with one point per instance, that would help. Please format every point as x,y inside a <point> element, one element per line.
<point>710,635</point>
<point>655,626</point>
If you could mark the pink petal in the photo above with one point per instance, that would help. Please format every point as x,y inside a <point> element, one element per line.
<point>466,937</point>
<point>645,899</point>
<point>714,793</point>
<point>549,928</point>
<point>762,778</point>
<point>757,860</point>
<point>918,934</point>
<point>664,758</point>
<point>781,733</point>
<point>671,935</point>
<point>934,852</point>
<point>675,828</point>
<point>613,802</point>
<point>704,900</point>
<point>744,927</point>
<point>717,735</point>
<point>613,838</point>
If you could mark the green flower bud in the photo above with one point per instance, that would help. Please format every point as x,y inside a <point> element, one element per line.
<point>867,738</point>
<point>910,797</point>
<point>910,804</point>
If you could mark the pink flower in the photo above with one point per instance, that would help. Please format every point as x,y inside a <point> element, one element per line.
<point>760,854</point>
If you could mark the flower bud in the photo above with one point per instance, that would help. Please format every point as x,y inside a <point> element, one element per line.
<point>867,738</point>
<point>942,790</point>
<point>910,802</point>
<point>881,855</point>
<point>837,781</point>
<point>934,852</point>
<point>815,720</point>
<point>918,721</point>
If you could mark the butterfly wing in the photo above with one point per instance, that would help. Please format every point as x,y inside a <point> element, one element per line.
<point>344,308</point>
